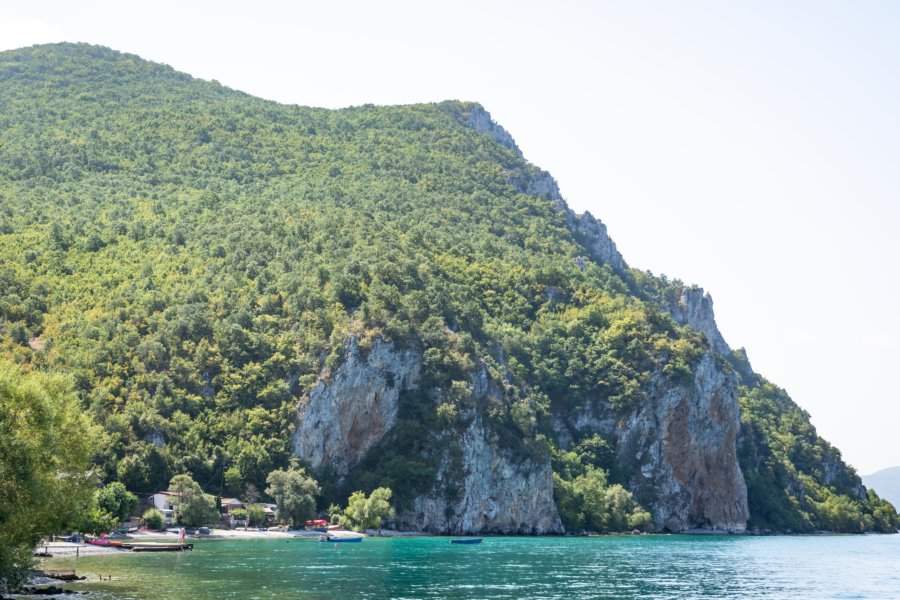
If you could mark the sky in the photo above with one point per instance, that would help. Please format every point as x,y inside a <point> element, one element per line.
<point>752,148</point>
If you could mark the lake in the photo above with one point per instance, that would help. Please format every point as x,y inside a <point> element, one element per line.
<point>661,567</point>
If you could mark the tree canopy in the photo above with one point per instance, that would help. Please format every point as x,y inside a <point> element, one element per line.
<point>46,478</point>
<point>196,259</point>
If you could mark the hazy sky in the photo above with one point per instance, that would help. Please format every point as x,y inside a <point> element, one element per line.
<point>752,148</point>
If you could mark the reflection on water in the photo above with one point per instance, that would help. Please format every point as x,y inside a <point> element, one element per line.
<point>661,567</point>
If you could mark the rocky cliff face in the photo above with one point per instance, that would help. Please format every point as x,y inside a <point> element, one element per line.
<point>695,308</point>
<point>495,489</point>
<point>680,446</point>
<point>682,440</point>
<point>350,412</point>
<point>495,492</point>
<point>480,120</point>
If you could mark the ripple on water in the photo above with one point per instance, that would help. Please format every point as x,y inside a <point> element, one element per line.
<point>646,567</point>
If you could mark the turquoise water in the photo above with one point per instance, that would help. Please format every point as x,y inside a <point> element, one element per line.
<point>661,567</point>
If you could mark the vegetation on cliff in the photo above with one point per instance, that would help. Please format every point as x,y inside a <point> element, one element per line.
<point>195,258</point>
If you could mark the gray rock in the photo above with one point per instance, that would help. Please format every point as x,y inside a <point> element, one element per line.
<point>695,308</point>
<point>496,493</point>
<point>349,413</point>
<point>480,120</point>
<point>682,442</point>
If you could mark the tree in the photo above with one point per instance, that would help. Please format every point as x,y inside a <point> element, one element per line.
<point>368,513</point>
<point>234,483</point>
<point>194,507</point>
<point>294,492</point>
<point>116,501</point>
<point>112,505</point>
<point>336,516</point>
<point>256,515</point>
<point>45,482</point>
<point>152,519</point>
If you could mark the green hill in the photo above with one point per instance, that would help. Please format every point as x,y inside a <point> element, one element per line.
<point>393,294</point>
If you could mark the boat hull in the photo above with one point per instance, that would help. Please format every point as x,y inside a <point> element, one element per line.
<point>467,541</point>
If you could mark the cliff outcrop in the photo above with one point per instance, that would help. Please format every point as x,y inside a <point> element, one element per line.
<point>349,412</point>
<point>495,491</point>
<point>679,446</point>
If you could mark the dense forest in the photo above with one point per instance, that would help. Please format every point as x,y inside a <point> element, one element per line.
<point>195,260</point>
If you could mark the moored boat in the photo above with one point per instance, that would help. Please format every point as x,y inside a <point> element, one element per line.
<point>345,538</point>
<point>466,541</point>
<point>102,541</point>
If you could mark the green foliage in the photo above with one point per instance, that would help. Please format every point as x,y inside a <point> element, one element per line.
<point>45,479</point>
<point>295,494</point>
<point>796,481</point>
<point>112,504</point>
<point>234,482</point>
<point>239,513</point>
<point>194,507</point>
<point>152,519</point>
<point>585,499</point>
<point>98,521</point>
<point>365,512</point>
<point>116,501</point>
<point>197,258</point>
<point>336,516</point>
<point>256,515</point>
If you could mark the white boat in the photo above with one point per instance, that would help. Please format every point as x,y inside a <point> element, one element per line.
<point>341,536</point>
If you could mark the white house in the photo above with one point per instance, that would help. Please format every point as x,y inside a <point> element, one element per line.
<point>166,503</point>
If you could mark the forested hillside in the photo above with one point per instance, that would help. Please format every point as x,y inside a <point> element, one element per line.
<point>200,260</point>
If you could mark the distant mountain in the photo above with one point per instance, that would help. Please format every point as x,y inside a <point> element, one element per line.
<point>392,295</point>
<point>886,484</point>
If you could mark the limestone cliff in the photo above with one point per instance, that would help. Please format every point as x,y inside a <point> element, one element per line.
<point>349,412</point>
<point>695,308</point>
<point>679,444</point>
<point>495,492</point>
<point>683,442</point>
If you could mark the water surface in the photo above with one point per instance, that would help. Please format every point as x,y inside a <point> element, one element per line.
<point>659,567</point>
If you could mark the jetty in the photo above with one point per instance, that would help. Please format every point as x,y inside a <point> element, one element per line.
<point>157,547</point>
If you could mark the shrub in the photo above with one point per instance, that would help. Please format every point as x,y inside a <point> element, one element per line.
<point>152,519</point>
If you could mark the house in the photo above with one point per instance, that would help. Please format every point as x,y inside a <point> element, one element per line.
<point>227,505</point>
<point>270,512</point>
<point>166,503</point>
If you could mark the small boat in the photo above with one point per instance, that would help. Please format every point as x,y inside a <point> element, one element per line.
<point>319,525</point>
<point>341,539</point>
<point>466,541</point>
<point>102,541</point>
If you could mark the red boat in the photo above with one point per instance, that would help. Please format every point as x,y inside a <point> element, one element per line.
<point>102,541</point>
<point>320,525</point>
